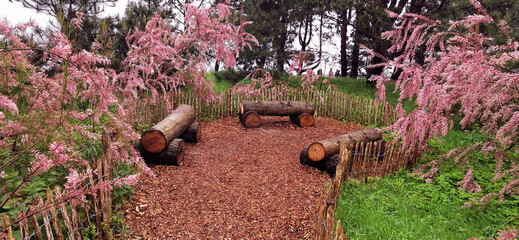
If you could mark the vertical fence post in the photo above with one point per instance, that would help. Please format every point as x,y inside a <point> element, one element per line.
<point>34,223</point>
<point>6,226</point>
<point>54,213</point>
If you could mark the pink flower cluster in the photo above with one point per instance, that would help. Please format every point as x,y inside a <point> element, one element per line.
<point>462,68</point>
<point>162,60</point>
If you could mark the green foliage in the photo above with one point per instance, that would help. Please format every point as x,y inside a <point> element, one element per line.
<point>402,206</point>
<point>230,76</point>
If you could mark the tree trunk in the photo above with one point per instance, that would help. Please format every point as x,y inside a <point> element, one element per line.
<point>303,119</point>
<point>280,41</point>
<point>277,108</point>
<point>172,155</point>
<point>326,148</point>
<point>193,133</point>
<point>157,138</point>
<point>354,69</point>
<point>344,42</point>
<point>250,119</point>
<point>217,66</point>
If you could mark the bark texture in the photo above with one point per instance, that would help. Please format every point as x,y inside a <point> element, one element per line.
<point>173,155</point>
<point>277,108</point>
<point>326,148</point>
<point>193,133</point>
<point>157,138</point>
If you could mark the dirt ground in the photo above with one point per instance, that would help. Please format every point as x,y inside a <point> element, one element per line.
<point>237,183</point>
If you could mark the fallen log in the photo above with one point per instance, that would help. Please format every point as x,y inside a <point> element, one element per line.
<point>193,133</point>
<point>172,155</point>
<point>157,138</point>
<point>301,113</point>
<point>303,119</point>
<point>277,108</point>
<point>250,119</point>
<point>320,150</point>
<point>304,159</point>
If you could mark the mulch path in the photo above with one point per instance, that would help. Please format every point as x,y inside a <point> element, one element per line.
<point>237,183</point>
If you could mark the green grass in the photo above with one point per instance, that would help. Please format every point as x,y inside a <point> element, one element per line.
<point>220,85</point>
<point>402,206</point>
<point>224,80</point>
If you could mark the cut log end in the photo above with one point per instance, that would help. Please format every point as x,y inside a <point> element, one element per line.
<point>250,119</point>
<point>193,133</point>
<point>316,152</point>
<point>172,155</point>
<point>153,141</point>
<point>303,119</point>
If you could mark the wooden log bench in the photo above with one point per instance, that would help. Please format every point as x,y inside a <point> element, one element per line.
<point>164,143</point>
<point>325,154</point>
<point>300,113</point>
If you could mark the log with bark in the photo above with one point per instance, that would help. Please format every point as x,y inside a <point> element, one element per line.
<point>303,119</point>
<point>193,133</point>
<point>250,119</point>
<point>173,155</point>
<point>320,150</point>
<point>158,138</point>
<point>301,113</point>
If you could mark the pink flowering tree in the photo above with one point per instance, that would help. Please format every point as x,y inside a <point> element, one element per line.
<point>467,74</point>
<point>56,107</point>
<point>161,59</point>
<point>53,112</point>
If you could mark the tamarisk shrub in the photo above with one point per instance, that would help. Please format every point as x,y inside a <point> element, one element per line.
<point>161,59</point>
<point>464,70</point>
<point>52,115</point>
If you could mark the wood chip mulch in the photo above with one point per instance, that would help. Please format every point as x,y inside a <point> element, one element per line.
<point>237,183</point>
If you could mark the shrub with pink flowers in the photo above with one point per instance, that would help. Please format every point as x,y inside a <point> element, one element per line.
<point>55,107</point>
<point>466,74</point>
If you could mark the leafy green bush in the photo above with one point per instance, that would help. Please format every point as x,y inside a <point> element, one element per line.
<point>230,76</point>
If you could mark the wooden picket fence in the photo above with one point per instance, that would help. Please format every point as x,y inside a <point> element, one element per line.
<point>329,103</point>
<point>56,217</point>
<point>358,161</point>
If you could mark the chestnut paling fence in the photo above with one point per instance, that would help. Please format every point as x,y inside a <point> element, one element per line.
<point>74,219</point>
<point>55,217</point>
<point>329,103</point>
<point>358,161</point>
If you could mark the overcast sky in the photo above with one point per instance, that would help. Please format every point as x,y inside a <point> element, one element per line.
<point>16,13</point>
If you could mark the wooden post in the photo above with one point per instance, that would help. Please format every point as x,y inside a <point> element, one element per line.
<point>46,221</point>
<point>6,226</point>
<point>66,218</point>
<point>95,202</point>
<point>54,214</point>
<point>24,227</point>
<point>34,223</point>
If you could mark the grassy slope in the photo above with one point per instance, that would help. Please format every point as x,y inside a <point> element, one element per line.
<point>402,206</point>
